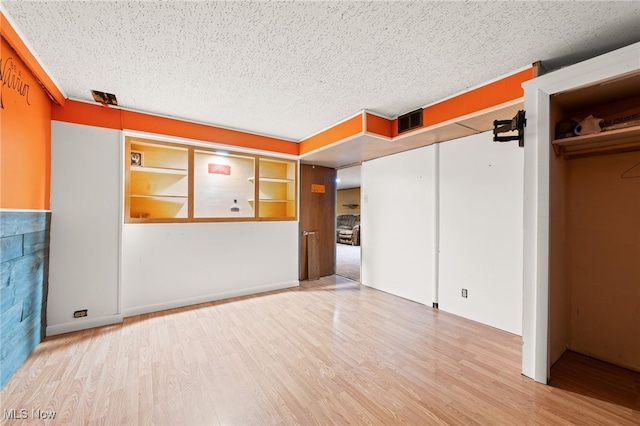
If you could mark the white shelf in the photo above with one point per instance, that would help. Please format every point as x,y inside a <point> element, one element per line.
<point>167,198</point>
<point>267,200</point>
<point>268,179</point>
<point>160,170</point>
<point>626,139</point>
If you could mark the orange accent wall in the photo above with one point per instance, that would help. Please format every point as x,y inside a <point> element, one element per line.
<point>25,130</point>
<point>379,125</point>
<point>337,133</point>
<point>29,60</point>
<point>116,118</point>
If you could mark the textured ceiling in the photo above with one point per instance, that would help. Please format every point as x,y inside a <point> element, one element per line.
<point>291,69</point>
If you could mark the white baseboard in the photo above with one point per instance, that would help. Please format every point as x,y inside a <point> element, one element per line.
<point>82,324</point>
<point>139,310</point>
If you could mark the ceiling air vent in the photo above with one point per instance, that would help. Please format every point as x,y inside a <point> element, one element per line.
<point>104,98</point>
<point>410,121</point>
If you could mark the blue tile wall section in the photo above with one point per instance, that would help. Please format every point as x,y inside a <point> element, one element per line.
<point>24,280</point>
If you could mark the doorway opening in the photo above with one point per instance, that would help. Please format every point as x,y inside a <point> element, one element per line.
<point>348,228</point>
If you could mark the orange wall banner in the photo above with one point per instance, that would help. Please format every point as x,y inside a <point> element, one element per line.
<point>25,142</point>
<point>203,132</point>
<point>498,92</point>
<point>116,118</point>
<point>501,91</point>
<point>337,133</point>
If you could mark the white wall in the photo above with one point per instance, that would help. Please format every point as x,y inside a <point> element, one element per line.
<point>398,224</point>
<point>163,265</point>
<point>172,265</point>
<point>481,230</point>
<point>445,217</point>
<point>85,205</point>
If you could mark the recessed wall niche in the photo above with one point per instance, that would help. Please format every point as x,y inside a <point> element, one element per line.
<point>171,182</point>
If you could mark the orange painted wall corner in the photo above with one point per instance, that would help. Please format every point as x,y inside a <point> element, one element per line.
<point>379,125</point>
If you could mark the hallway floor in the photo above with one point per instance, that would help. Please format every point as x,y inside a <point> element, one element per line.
<point>348,261</point>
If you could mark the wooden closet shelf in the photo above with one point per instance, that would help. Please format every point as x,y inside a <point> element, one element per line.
<point>627,139</point>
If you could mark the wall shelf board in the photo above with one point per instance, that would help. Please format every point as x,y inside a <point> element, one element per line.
<point>167,198</point>
<point>269,179</point>
<point>161,170</point>
<point>627,139</point>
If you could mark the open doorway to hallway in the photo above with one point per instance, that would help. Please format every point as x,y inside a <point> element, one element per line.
<point>348,261</point>
<point>348,229</point>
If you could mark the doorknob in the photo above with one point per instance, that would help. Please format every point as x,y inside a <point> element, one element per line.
<point>305,233</point>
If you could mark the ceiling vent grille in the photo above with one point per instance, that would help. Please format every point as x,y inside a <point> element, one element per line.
<point>410,121</point>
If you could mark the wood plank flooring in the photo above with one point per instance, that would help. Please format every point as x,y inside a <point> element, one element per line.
<point>328,352</point>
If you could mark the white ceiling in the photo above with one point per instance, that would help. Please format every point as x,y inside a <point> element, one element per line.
<point>291,69</point>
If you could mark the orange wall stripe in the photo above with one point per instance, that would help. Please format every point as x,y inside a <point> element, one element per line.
<point>30,61</point>
<point>341,131</point>
<point>379,125</point>
<point>89,114</point>
<point>184,129</point>
<point>496,93</point>
<point>116,118</point>
<point>492,94</point>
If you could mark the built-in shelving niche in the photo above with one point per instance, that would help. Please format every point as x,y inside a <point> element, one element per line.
<point>169,182</point>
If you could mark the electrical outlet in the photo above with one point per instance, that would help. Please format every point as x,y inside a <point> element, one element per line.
<point>79,314</point>
<point>464,293</point>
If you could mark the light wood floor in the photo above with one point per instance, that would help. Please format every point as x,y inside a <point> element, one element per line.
<point>329,352</point>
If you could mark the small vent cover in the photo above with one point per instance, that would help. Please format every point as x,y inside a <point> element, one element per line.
<point>104,98</point>
<point>410,121</point>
